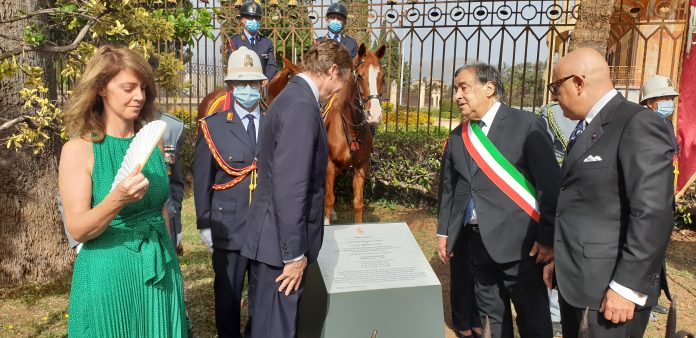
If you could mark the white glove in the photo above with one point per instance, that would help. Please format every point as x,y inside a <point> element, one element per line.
<point>178,238</point>
<point>207,238</point>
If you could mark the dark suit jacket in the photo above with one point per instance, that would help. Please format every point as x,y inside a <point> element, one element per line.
<point>223,211</point>
<point>287,211</point>
<point>349,43</point>
<point>507,231</point>
<point>263,48</point>
<point>614,216</point>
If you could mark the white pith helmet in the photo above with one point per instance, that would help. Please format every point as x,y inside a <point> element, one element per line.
<point>244,65</point>
<point>657,86</point>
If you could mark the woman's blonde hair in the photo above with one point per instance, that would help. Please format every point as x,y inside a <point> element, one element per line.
<point>84,115</point>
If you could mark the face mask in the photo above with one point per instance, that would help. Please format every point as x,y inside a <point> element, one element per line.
<point>247,96</point>
<point>335,26</point>
<point>665,108</point>
<point>252,25</point>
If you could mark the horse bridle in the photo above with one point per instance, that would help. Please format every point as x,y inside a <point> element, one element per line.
<point>360,101</point>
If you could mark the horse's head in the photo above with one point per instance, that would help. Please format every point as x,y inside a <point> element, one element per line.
<point>280,80</point>
<point>369,79</point>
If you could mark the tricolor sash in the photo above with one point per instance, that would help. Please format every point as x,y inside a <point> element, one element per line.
<point>503,174</point>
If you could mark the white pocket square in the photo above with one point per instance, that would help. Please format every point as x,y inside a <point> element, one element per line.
<point>592,158</point>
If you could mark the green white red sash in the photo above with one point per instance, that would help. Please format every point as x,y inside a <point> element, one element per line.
<point>503,174</point>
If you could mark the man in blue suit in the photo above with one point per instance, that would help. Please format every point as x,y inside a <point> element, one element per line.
<point>250,37</point>
<point>285,222</point>
<point>224,179</point>
<point>336,16</point>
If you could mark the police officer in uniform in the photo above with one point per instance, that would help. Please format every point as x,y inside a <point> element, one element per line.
<point>658,95</point>
<point>172,144</point>
<point>250,37</point>
<point>337,15</point>
<point>224,179</point>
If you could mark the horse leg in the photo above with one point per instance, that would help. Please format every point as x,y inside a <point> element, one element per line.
<point>329,198</point>
<point>359,175</point>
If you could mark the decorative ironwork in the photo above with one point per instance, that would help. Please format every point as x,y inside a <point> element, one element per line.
<point>428,40</point>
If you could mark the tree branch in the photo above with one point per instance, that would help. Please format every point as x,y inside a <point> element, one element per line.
<point>32,14</point>
<point>11,123</point>
<point>53,49</point>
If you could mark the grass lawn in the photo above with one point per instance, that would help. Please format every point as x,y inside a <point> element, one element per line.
<point>40,310</point>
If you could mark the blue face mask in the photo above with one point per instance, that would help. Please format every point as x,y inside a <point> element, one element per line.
<point>247,96</point>
<point>665,108</point>
<point>335,26</point>
<point>252,25</point>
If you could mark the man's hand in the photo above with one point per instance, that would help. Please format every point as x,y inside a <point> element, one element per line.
<point>264,83</point>
<point>543,253</point>
<point>616,308</point>
<point>548,274</point>
<point>442,249</point>
<point>291,278</point>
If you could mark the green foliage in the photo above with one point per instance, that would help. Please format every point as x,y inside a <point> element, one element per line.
<point>409,166</point>
<point>73,30</point>
<point>685,205</point>
<point>524,78</point>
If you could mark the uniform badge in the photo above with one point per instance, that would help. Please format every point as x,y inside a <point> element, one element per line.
<point>230,117</point>
<point>169,158</point>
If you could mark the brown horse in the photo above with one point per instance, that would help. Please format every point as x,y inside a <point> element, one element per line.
<point>349,117</point>
<point>214,100</point>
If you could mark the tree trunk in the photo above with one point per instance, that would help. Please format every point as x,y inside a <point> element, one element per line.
<point>593,27</point>
<point>32,244</point>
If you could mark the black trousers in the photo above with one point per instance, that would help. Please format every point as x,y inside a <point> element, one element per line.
<point>465,312</point>
<point>275,315</point>
<point>230,268</point>
<point>497,284</point>
<point>598,327</point>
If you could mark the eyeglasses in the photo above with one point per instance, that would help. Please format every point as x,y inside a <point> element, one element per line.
<point>555,85</point>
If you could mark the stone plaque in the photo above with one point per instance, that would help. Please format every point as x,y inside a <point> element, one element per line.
<point>371,277</point>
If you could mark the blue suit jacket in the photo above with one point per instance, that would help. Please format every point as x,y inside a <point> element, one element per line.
<point>223,211</point>
<point>263,48</point>
<point>287,211</point>
<point>349,43</point>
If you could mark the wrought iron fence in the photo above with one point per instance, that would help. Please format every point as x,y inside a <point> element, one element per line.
<point>428,40</point>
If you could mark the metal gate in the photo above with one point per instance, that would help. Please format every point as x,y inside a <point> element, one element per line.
<point>428,40</point>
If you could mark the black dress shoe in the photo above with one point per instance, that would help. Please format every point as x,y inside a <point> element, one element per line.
<point>660,309</point>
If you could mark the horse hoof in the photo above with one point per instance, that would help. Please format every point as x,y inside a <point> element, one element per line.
<point>327,221</point>
<point>333,215</point>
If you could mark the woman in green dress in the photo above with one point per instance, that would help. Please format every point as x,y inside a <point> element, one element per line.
<point>126,280</point>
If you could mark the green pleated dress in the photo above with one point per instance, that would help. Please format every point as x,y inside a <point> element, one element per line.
<point>127,282</point>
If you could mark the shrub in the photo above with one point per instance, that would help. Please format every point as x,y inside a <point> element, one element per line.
<point>408,170</point>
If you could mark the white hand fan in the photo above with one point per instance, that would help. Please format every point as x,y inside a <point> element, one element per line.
<point>140,149</point>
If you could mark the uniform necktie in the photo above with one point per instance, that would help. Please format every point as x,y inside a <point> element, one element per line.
<point>575,134</point>
<point>251,130</point>
<point>253,40</point>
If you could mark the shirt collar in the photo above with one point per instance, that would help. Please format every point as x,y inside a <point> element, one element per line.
<point>242,112</point>
<point>490,114</point>
<point>248,36</point>
<point>599,105</point>
<point>312,85</point>
<point>337,37</point>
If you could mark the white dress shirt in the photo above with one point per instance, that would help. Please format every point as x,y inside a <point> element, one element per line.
<point>242,113</point>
